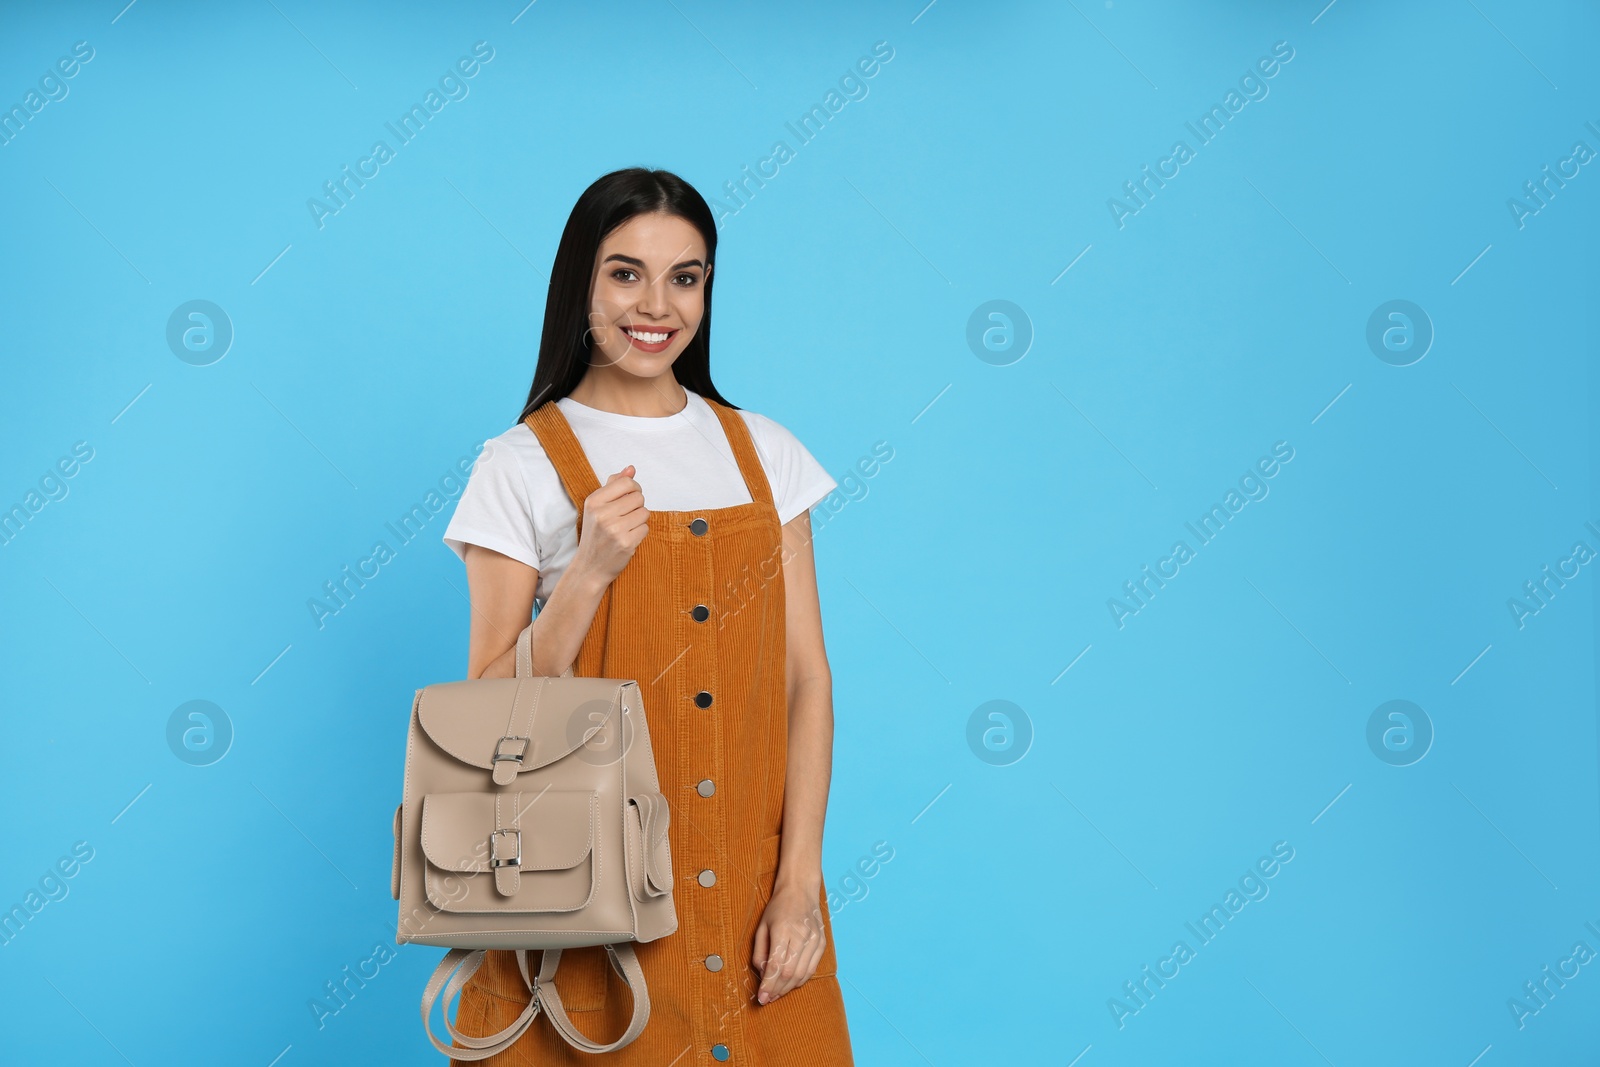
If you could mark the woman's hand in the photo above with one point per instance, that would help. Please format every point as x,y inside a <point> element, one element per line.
<point>789,942</point>
<point>615,522</point>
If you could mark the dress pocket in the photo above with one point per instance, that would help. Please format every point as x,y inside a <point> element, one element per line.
<point>767,864</point>
<point>767,876</point>
<point>828,965</point>
<point>581,977</point>
<point>581,981</point>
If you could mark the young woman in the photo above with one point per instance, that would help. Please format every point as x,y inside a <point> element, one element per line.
<point>708,598</point>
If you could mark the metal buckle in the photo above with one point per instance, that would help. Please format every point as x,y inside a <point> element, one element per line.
<point>500,757</point>
<point>494,858</point>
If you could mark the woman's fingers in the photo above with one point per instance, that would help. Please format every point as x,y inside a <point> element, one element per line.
<point>618,507</point>
<point>790,963</point>
<point>772,985</point>
<point>619,487</point>
<point>758,956</point>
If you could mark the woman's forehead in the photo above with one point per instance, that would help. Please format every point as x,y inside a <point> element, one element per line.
<point>656,238</point>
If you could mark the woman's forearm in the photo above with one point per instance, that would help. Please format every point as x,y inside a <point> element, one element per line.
<point>560,627</point>
<point>805,791</point>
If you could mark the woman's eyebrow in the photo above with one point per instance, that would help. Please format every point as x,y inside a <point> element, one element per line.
<point>640,263</point>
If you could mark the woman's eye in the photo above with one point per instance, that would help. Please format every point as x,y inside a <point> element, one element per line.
<point>627,274</point>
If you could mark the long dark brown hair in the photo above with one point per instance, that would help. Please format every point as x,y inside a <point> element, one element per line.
<point>612,200</point>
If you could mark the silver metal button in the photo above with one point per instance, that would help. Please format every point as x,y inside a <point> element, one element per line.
<point>708,878</point>
<point>698,527</point>
<point>701,613</point>
<point>706,787</point>
<point>713,962</point>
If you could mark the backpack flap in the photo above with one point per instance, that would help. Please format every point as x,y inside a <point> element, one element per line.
<point>512,725</point>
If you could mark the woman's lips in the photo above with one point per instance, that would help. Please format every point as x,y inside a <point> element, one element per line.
<point>635,335</point>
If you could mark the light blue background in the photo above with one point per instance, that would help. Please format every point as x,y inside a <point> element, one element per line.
<point>1228,314</point>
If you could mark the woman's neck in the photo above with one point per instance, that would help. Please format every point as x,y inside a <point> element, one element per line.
<point>627,394</point>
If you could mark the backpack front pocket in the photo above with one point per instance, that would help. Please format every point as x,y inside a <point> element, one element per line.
<point>510,852</point>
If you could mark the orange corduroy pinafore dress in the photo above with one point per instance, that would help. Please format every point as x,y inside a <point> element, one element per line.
<point>697,618</point>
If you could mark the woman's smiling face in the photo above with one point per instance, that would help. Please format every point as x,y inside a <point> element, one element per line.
<point>648,293</point>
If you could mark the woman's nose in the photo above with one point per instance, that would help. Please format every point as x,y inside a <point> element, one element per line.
<point>653,298</point>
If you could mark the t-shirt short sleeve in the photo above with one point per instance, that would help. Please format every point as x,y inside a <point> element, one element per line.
<point>494,510</point>
<point>799,481</point>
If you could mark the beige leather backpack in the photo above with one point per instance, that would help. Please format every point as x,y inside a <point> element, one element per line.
<point>531,819</point>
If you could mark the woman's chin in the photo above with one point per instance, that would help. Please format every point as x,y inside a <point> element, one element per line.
<point>641,364</point>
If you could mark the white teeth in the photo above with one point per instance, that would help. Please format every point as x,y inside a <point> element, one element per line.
<point>648,338</point>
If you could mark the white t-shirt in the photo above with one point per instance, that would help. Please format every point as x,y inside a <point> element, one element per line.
<point>515,504</point>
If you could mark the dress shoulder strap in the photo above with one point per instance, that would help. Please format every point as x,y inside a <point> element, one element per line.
<point>744,450</point>
<point>555,434</point>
